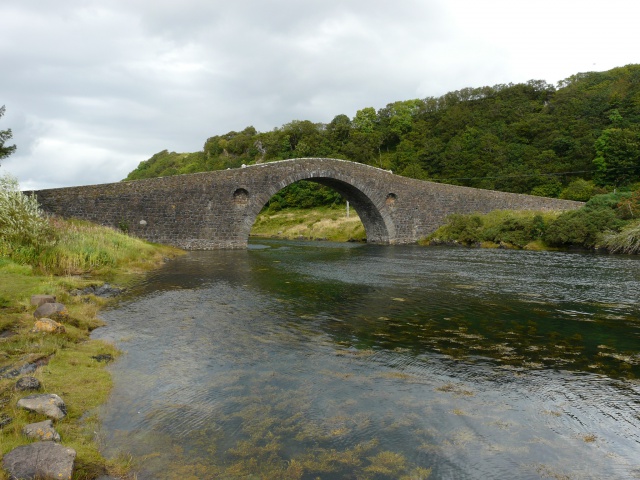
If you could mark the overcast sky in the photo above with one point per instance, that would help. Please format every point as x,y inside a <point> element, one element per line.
<point>92,88</point>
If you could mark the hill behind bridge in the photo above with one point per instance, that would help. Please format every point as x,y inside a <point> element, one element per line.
<point>572,140</point>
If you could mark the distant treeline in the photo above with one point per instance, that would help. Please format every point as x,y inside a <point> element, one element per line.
<point>572,140</point>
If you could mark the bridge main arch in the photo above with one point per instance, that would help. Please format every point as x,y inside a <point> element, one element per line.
<point>373,213</point>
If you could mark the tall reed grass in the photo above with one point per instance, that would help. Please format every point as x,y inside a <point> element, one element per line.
<point>63,247</point>
<point>625,241</point>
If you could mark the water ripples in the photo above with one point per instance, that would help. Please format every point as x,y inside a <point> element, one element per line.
<point>309,360</point>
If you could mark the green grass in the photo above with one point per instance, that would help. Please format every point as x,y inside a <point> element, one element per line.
<point>82,247</point>
<point>625,241</point>
<point>82,254</point>
<point>506,228</point>
<point>322,223</point>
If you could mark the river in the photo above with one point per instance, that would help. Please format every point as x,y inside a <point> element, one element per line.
<point>308,360</point>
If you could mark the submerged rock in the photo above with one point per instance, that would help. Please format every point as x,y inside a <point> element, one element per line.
<point>105,290</point>
<point>103,357</point>
<point>48,404</point>
<point>42,431</point>
<point>40,460</point>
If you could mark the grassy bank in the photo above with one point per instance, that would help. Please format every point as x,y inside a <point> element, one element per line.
<point>606,222</point>
<point>322,223</point>
<point>64,256</point>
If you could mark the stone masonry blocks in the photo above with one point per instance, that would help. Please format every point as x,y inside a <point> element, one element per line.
<point>212,210</point>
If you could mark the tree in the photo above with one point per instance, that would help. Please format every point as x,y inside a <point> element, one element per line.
<point>618,157</point>
<point>365,120</point>
<point>4,136</point>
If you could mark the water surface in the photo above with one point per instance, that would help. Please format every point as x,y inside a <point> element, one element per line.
<point>347,361</point>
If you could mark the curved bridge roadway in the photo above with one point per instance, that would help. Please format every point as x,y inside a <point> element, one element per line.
<point>217,209</point>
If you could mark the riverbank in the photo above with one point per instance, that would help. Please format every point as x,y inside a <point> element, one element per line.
<point>609,222</point>
<point>69,364</point>
<point>322,223</point>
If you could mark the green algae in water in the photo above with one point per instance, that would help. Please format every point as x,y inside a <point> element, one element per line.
<point>310,369</point>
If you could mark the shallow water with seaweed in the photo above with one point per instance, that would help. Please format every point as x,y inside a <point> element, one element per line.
<point>347,361</point>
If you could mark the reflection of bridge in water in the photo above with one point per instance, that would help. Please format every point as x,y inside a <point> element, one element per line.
<point>217,209</point>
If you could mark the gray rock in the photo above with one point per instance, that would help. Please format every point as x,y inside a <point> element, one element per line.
<point>90,290</point>
<point>5,420</point>
<point>42,431</point>
<point>38,300</point>
<point>7,334</point>
<point>27,383</point>
<point>55,311</point>
<point>40,460</point>
<point>48,404</point>
<point>103,357</point>
<point>105,290</point>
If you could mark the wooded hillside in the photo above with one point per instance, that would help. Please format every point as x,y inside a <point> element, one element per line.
<point>572,140</point>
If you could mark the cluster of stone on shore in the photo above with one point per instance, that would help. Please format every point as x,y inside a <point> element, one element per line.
<point>46,457</point>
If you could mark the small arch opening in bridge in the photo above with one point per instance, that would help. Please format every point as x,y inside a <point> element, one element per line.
<point>241,197</point>
<point>391,199</point>
<point>309,210</point>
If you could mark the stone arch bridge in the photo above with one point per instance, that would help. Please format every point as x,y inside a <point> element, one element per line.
<point>211,210</point>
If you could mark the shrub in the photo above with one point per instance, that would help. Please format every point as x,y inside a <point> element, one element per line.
<point>607,201</point>
<point>629,207</point>
<point>462,228</point>
<point>516,230</point>
<point>580,190</point>
<point>551,188</point>
<point>582,227</point>
<point>22,223</point>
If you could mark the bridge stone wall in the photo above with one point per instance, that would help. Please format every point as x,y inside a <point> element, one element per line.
<point>217,209</point>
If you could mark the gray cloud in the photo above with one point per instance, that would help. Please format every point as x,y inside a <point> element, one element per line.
<point>92,88</point>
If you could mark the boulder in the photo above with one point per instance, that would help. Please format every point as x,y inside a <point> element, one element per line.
<point>48,404</point>
<point>40,460</point>
<point>38,300</point>
<point>27,383</point>
<point>42,431</point>
<point>55,311</point>
<point>47,325</point>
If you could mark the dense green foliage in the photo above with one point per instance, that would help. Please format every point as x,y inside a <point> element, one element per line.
<point>610,221</point>
<point>5,135</point>
<point>304,194</point>
<point>513,228</point>
<point>527,138</point>
<point>21,222</point>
